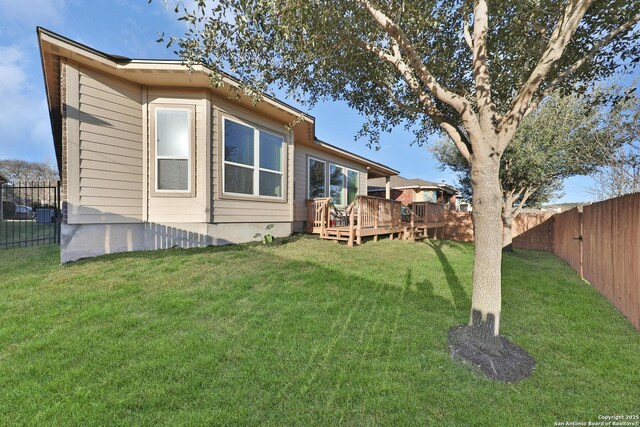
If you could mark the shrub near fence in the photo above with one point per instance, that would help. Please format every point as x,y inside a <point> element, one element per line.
<point>602,244</point>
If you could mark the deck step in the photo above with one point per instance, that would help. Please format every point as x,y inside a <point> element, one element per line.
<point>345,239</point>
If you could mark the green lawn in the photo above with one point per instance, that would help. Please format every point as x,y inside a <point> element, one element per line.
<point>304,333</point>
<point>14,233</point>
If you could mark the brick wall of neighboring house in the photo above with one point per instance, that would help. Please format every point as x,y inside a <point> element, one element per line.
<point>403,196</point>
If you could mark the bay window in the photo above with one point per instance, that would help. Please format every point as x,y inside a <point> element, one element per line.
<point>253,161</point>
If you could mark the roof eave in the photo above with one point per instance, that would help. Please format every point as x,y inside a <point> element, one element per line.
<point>115,63</point>
<point>372,167</point>
<point>57,143</point>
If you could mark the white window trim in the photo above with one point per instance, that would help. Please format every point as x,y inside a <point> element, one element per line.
<point>256,161</point>
<point>309,175</point>
<point>158,157</point>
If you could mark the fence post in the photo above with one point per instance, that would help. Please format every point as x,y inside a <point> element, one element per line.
<point>581,241</point>
<point>58,212</point>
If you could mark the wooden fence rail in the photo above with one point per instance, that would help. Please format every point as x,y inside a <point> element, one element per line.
<point>602,243</point>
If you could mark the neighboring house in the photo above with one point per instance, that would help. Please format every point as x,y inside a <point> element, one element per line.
<point>463,205</point>
<point>3,180</point>
<point>413,190</point>
<point>152,156</point>
<point>556,207</point>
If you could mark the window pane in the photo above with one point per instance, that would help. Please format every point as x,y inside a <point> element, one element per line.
<point>238,179</point>
<point>270,151</point>
<point>353,183</point>
<point>173,133</point>
<point>173,174</point>
<point>316,179</point>
<point>238,143</point>
<point>270,184</point>
<point>336,184</point>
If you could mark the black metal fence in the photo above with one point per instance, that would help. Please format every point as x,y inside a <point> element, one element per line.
<point>29,214</point>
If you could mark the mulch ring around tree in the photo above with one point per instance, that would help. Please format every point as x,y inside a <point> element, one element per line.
<point>498,358</point>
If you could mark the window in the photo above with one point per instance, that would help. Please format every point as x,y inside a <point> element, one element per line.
<point>317,179</point>
<point>336,184</point>
<point>353,185</point>
<point>344,184</point>
<point>173,149</point>
<point>253,161</point>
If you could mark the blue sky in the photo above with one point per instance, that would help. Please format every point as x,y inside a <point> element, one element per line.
<point>130,28</point>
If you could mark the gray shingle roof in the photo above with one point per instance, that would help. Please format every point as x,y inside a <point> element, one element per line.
<point>402,182</point>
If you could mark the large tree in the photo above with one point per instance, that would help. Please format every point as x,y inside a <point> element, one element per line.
<point>470,70</point>
<point>22,170</point>
<point>551,144</point>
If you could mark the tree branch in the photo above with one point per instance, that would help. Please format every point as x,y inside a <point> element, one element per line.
<point>527,193</point>
<point>467,34</point>
<point>400,104</point>
<point>460,104</point>
<point>486,108</point>
<point>430,108</point>
<point>564,74</point>
<point>558,41</point>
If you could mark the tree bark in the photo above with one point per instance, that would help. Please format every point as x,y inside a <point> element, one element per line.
<point>487,213</point>
<point>507,240</point>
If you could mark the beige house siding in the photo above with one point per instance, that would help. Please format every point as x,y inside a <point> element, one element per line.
<point>237,209</point>
<point>303,152</point>
<point>109,167</point>
<point>183,208</point>
<point>104,148</point>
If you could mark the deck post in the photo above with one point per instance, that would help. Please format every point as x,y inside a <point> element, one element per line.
<point>351,226</point>
<point>359,229</point>
<point>387,187</point>
<point>413,224</point>
<point>323,219</point>
<point>376,211</point>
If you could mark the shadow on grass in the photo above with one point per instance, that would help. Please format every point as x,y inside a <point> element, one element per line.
<point>460,297</point>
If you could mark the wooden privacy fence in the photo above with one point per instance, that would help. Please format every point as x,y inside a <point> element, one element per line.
<point>458,226</point>
<point>602,243</point>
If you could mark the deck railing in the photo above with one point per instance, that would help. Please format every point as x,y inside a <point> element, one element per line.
<point>426,212</point>
<point>318,213</point>
<point>376,212</point>
<point>366,214</point>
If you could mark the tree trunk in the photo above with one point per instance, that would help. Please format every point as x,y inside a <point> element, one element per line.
<point>487,214</point>
<point>507,221</point>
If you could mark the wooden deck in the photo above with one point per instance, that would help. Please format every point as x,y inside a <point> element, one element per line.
<point>373,216</point>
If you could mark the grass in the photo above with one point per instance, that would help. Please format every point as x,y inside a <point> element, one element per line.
<point>303,333</point>
<point>19,233</point>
